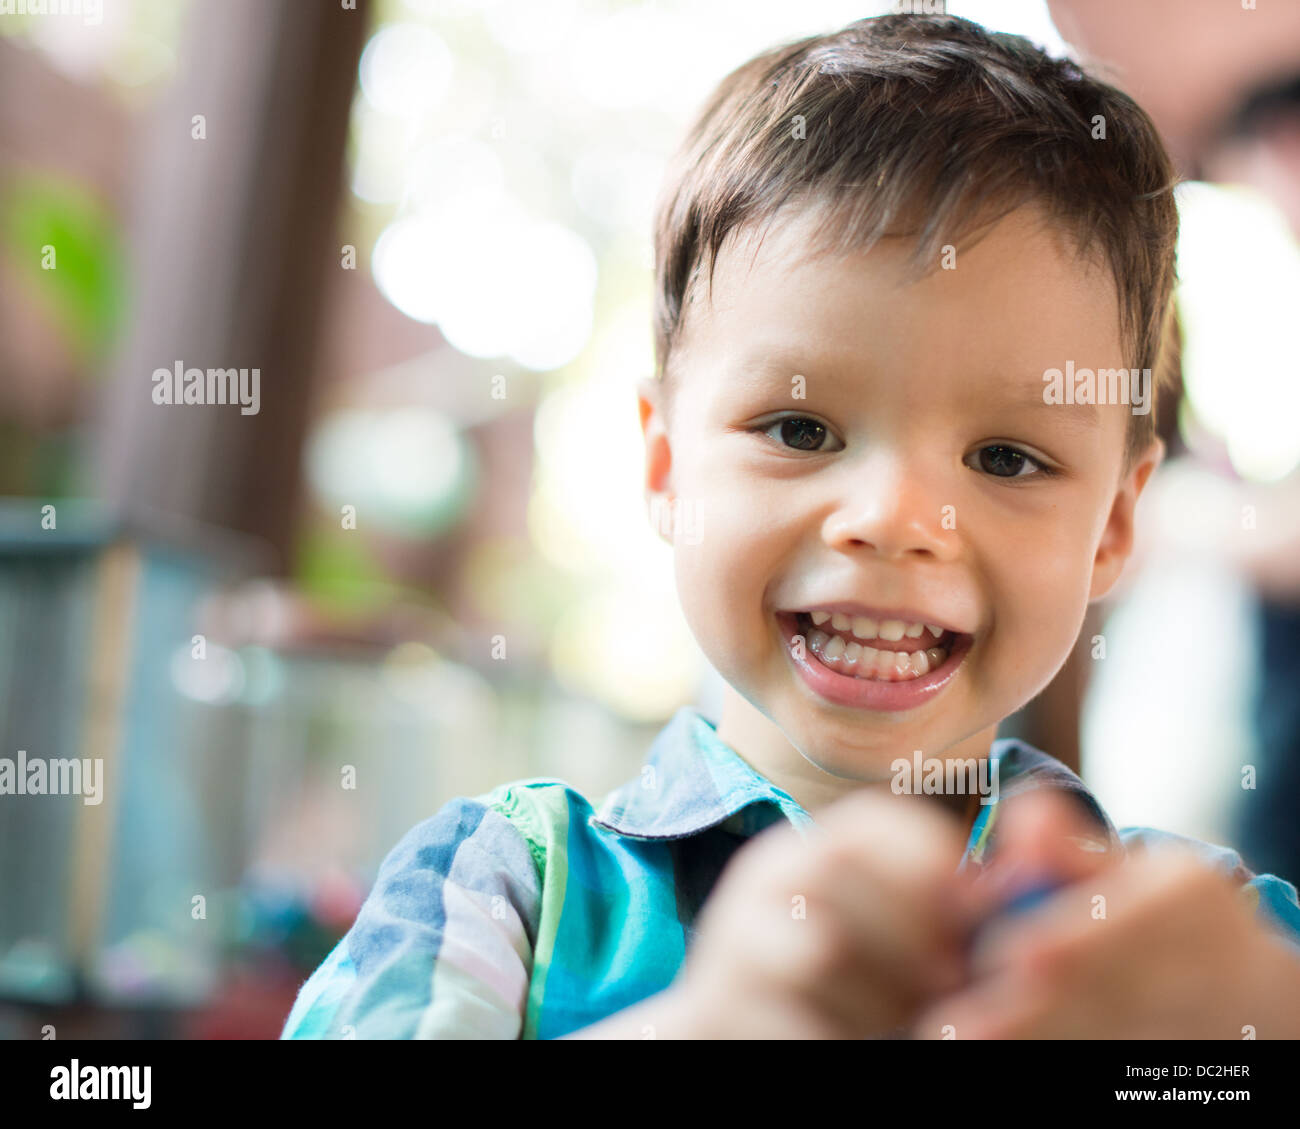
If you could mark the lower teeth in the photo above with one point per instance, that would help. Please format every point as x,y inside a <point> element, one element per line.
<point>874,665</point>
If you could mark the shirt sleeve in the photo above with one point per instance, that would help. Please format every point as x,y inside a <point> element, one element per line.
<point>442,947</point>
<point>1273,899</point>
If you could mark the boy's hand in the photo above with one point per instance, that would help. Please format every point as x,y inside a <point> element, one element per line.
<point>1178,954</point>
<point>840,936</point>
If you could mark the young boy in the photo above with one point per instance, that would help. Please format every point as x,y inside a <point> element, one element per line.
<point>911,284</point>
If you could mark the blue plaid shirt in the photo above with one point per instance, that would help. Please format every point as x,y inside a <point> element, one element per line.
<point>527,913</point>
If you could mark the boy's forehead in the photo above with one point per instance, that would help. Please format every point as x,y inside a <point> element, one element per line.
<point>779,247</point>
<point>1021,295</point>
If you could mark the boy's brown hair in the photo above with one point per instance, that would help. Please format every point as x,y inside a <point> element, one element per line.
<point>930,126</point>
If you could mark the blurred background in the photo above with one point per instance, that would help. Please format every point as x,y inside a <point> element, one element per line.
<point>423,567</point>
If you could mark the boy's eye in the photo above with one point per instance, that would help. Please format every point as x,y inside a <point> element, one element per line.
<point>1003,461</point>
<point>798,432</point>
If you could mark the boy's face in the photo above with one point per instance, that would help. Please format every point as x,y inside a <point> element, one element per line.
<point>884,493</point>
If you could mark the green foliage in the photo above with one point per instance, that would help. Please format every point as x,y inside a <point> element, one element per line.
<point>84,292</point>
<point>335,569</point>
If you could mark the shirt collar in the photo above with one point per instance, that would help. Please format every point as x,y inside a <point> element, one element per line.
<point>692,780</point>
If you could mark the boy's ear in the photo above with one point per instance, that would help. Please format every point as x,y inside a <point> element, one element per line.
<point>1117,538</point>
<point>658,453</point>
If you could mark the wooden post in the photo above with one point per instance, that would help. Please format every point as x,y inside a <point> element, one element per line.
<point>235,200</point>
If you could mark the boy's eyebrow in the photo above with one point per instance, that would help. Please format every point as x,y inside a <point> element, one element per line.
<point>1075,417</point>
<point>759,370</point>
<point>764,360</point>
<point>764,365</point>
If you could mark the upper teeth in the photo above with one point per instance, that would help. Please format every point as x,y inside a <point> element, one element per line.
<point>864,627</point>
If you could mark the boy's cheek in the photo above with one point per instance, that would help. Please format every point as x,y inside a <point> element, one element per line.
<point>1037,616</point>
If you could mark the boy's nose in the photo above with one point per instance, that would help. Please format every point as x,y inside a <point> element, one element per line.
<point>896,515</point>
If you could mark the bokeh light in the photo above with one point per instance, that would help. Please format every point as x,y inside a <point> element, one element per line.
<point>617,646</point>
<point>216,678</point>
<point>406,470</point>
<point>405,69</point>
<point>1237,311</point>
<point>497,282</point>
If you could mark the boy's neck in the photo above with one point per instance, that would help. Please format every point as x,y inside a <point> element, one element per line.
<point>763,746</point>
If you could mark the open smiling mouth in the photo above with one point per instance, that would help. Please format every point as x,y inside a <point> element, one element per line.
<point>870,662</point>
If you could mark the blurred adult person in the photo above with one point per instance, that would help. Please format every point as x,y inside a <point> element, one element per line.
<point>1221,80</point>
